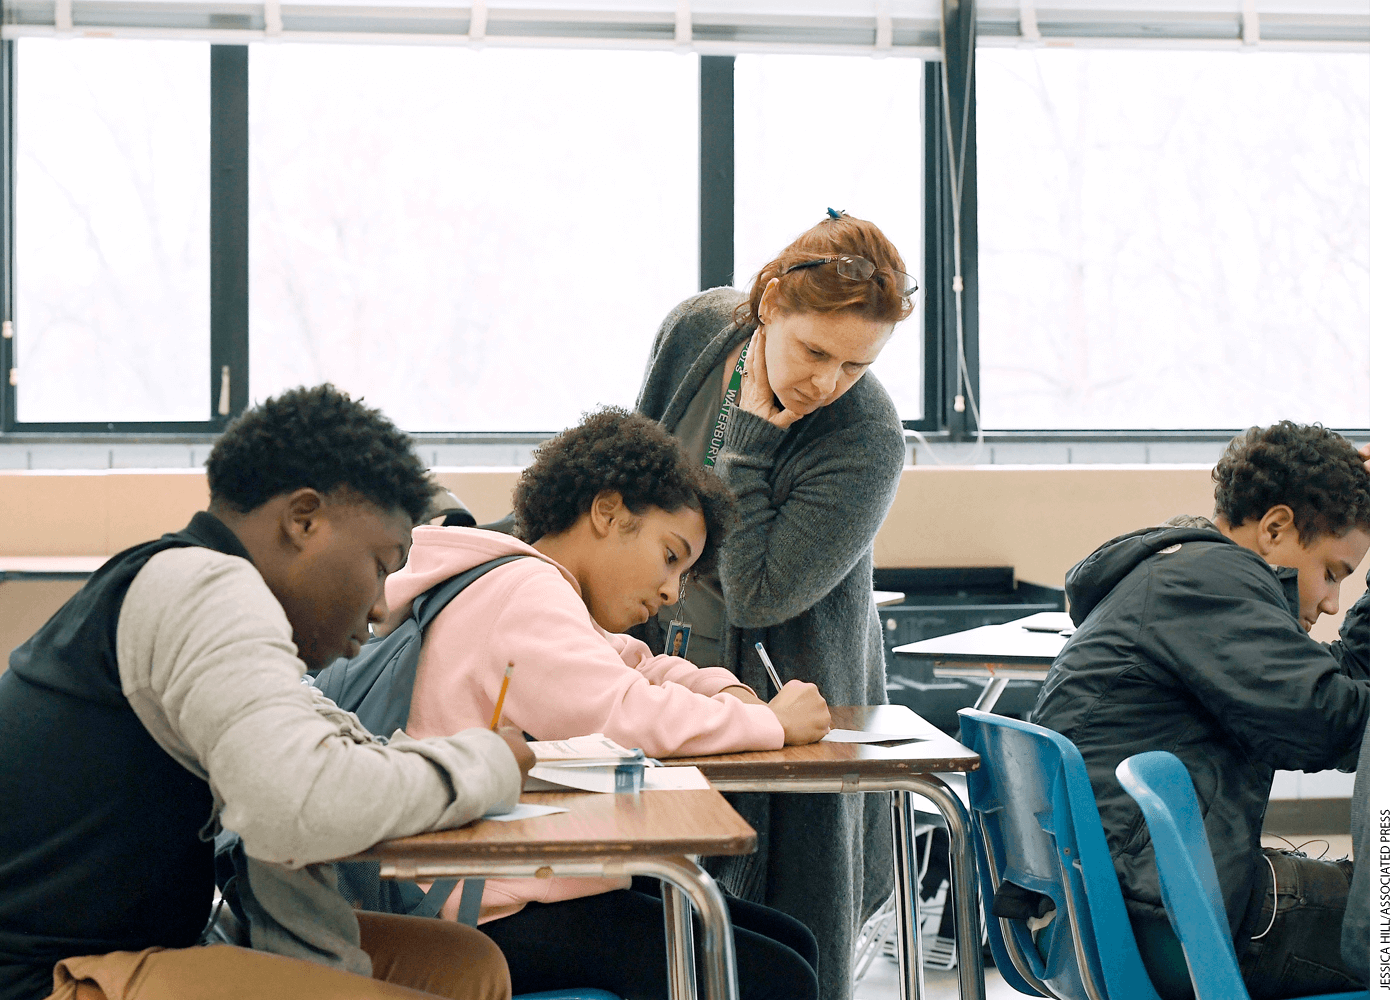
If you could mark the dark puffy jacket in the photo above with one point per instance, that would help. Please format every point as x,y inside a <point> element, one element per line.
<point>1190,643</point>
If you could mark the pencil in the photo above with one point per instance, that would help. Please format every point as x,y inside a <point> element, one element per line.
<point>772,670</point>
<point>501,701</point>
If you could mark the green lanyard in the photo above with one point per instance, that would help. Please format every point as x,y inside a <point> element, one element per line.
<point>731,396</point>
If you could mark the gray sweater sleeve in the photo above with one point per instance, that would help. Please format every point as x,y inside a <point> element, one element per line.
<point>207,662</point>
<point>786,556</point>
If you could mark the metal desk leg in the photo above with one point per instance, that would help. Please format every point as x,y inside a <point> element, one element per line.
<point>963,862</point>
<point>906,898</point>
<point>717,938</point>
<point>680,944</point>
<point>990,693</point>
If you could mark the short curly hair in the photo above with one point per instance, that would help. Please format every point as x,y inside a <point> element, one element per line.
<point>321,438</point>
<point>1314,471</point>
<point>613,449</point>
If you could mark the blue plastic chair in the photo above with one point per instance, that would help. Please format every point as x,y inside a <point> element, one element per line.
<point>569,995</point>
<point>1036,825</point>
<point>1190,887</point>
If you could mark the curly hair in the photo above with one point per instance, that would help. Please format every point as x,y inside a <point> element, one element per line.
<point>1307,467</point>
<point>613,449</point>
<point>321,438</point>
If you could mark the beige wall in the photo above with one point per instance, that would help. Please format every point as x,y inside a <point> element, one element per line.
<point>1039,519</point>
<point>94,513</point>
<point>24,606</point>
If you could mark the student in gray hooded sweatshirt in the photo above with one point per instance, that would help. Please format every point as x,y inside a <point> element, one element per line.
<point>164,700</point>
<point>1193,638</point>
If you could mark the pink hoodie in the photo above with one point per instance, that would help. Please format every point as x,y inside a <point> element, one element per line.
<point>571,677</point>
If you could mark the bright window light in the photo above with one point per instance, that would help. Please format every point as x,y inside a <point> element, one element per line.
<point>845,132</point>
<point>111,230</point>
<point>471,240</point>
<point>1173,239</point>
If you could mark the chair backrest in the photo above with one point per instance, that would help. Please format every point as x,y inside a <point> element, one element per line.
<point>1190,887</point>
<point>1036,825</point>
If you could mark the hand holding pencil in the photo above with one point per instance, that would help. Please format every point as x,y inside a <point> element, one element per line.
<point>515,739</point>
<point>799,706</point>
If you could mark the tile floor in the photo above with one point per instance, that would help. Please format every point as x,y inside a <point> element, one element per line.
<point>881,982</point>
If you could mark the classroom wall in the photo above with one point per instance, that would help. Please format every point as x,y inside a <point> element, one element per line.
<point>1039,519</point>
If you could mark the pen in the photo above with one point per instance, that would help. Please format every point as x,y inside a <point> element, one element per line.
<point>772,670</point>
<point>501,701</point>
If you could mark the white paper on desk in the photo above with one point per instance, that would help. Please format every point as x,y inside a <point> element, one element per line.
<point>527,810</point>
<point>858,736</point>
<point>673,779</point>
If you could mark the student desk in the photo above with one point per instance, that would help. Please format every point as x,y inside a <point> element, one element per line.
<point>650,833</point>
<point>994,653</point>
<point>901,769</point>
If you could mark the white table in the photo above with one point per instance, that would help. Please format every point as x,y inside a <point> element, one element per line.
<point>996,654</point>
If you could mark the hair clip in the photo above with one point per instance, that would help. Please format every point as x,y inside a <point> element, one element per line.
<point>836,213</point>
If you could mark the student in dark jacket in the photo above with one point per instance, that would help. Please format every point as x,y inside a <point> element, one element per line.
<point>1192,637</point>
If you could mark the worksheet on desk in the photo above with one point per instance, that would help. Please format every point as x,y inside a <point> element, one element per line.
<point>526,810</point>
<point>673,779</point>
<point>859,736</point>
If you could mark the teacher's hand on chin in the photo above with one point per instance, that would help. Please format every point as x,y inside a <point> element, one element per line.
<point>757,396</point>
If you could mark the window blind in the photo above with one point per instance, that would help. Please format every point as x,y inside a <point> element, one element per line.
<point>897,27</point>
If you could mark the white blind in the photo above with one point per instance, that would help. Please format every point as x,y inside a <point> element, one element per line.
<point>1248,22</point>
<point>906,27</point>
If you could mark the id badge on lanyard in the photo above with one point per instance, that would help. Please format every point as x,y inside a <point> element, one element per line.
<point>678,632</point>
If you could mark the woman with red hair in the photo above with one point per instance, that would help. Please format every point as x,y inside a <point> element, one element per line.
<point>772,388</point>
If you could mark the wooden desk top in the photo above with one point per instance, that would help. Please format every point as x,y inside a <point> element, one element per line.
<point>652,824</point>
<point>990,644</point>
<point>934,753</point>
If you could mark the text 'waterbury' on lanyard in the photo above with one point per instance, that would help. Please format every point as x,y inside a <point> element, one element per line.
<point>731,396</point>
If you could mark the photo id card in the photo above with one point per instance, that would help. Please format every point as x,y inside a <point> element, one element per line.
<point>677,637</point>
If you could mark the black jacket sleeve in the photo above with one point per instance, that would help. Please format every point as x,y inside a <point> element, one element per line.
<point>1352,650</point>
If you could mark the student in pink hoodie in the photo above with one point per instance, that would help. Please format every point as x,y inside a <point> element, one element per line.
<point>615,515</point>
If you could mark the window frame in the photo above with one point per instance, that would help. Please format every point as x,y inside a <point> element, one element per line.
<point>229,263</point>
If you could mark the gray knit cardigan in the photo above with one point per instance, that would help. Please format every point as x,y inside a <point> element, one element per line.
<point>797,576</point>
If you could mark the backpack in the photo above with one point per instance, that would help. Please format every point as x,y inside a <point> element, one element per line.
<point>377,685</point>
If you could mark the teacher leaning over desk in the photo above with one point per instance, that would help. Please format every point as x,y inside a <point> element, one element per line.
<point>772,388</point>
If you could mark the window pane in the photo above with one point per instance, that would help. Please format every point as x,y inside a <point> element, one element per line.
<point>1173,239</point>
<point>845,132</point>
<point>472,240</point>
<point>112,230</point>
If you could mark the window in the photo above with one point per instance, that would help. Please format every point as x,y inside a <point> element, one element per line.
<point>1165,241</point>
<point>472,240</point>
<point>112,230</point>
<point>1172,239</point>
<point>812,132</point>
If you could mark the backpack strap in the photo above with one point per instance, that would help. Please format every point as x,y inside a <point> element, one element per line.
<point>416,902</point>
<point>427,604</point>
